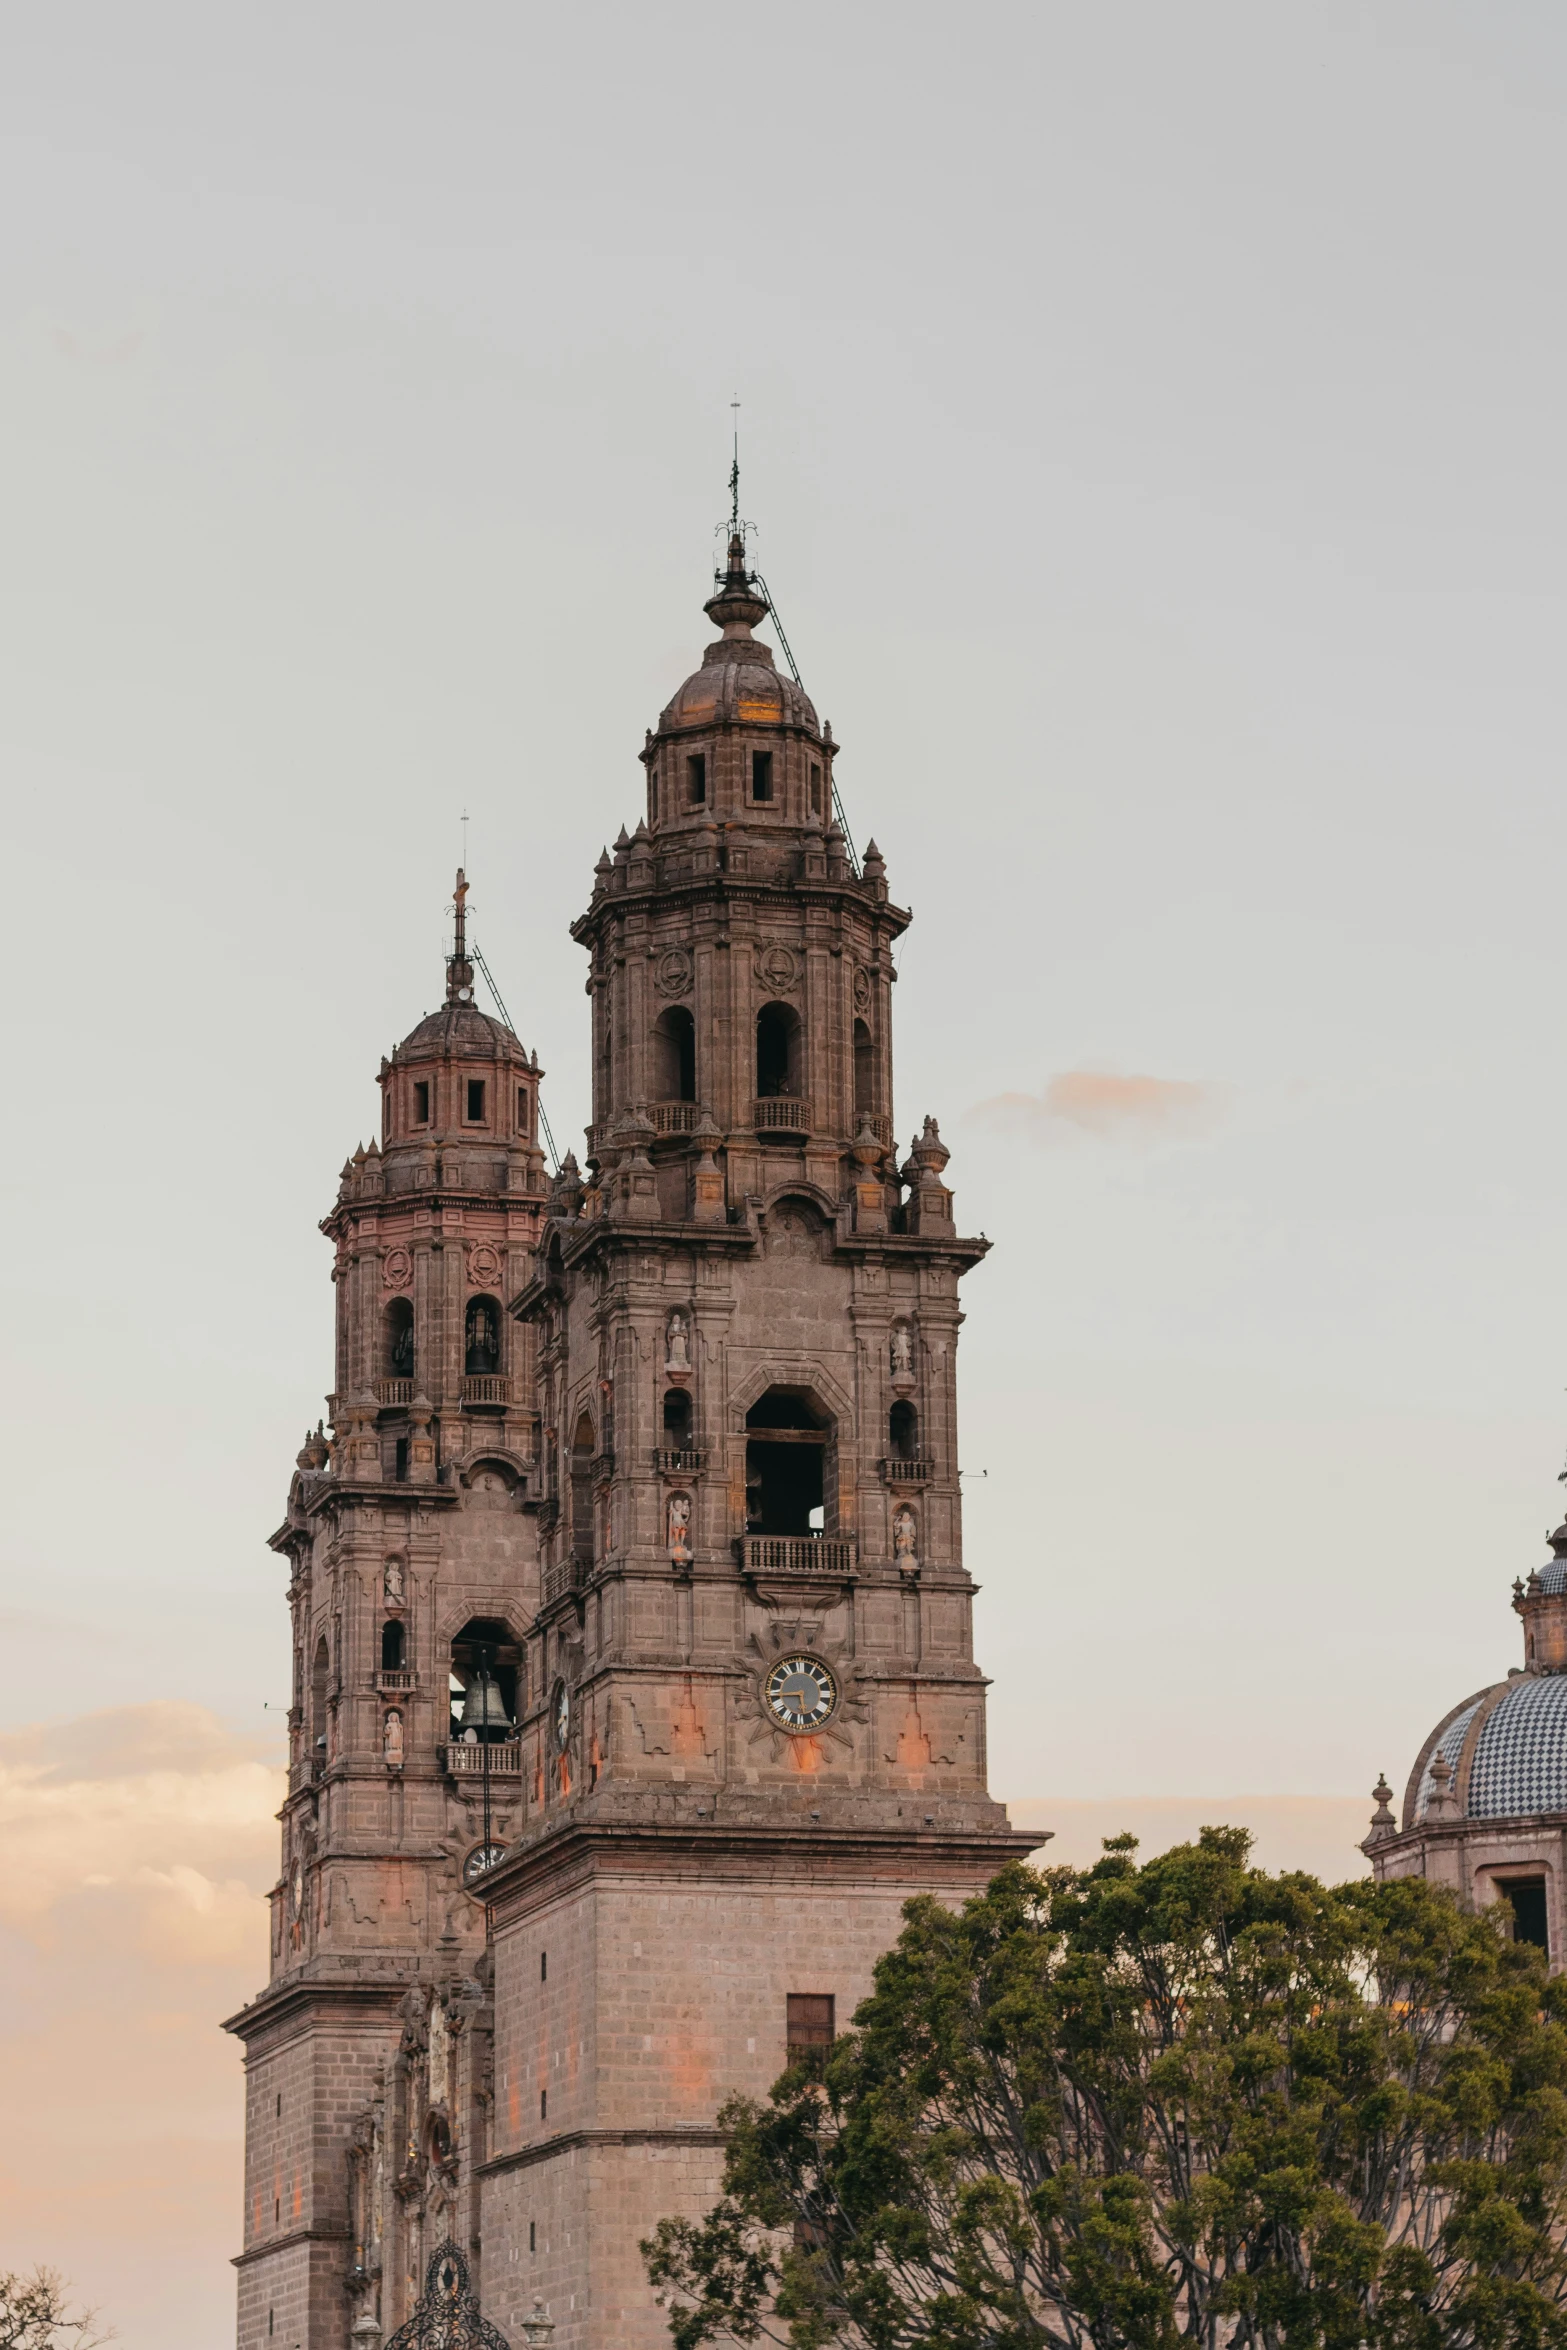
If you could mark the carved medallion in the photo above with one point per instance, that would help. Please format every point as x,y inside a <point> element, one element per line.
<point>778,968</point>
<point>862,990</point>
<point>672,972</point>
<point>484,1264</point>
<point>397,1268</point>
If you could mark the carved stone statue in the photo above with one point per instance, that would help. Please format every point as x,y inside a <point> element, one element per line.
<point>392,1582</point>
<point>392,1739</point>
<point>902,1352</point>
<point>680,1528</point>
<point>677,1343</point>
<point>905,1533</point>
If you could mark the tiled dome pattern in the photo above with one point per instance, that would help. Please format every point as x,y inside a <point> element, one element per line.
<point>1520,1763</point>
<point>1448,1746</point>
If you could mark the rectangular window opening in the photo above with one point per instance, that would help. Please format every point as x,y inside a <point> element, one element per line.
<point>475,1101</point>
<point>280,2105</point>
<point>522,1109</point>
<point>761,775</point>
<point>696,779</point>
<point>544,2105</point>
<point>1527,1896</point>
<point>810,2026</point>
<point>816,791</point>
<point>421,1103</point>
<point>544,1966</point>
<point>533,2235</point>
<point>402,1460</point>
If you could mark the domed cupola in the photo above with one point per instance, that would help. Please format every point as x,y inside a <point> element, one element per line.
<point>1485,1806</point>
<point>739,742</point>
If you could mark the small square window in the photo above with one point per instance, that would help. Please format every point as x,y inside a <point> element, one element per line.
<point>475,1101</point>
<point>421,1103</point>
<point>761,775</point>
<point>696,779</point>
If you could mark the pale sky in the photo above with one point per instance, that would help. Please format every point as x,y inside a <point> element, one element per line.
<point>1151,420</point>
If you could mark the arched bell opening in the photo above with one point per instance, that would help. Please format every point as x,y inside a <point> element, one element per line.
<point>787,1436</point>
<point>481,1337</point>
<point>320,1673</point>
<point>398,1339</point>
<point>903,1431</point>
<point>582,1451</point>
<point>394,1645</point>
<point>864,1073</point>
<point>674,1055</point>
<point>484,1682</point>
<point>677,1417</point>
<point>777,1051</point>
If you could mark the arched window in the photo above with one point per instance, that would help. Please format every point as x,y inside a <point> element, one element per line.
<point>677,1417</point>
<point>674,1055</point>
<point>903,1431</point>
<point>582,1445</point>
<point>481,1337</point>
<point>392,1646</point>
<point>321,1666</point>
<point>785,1453</point>
<point>400,1338</point>
<point>484,1682</point>
<point>777,1051</point>
<point>864,1072</point>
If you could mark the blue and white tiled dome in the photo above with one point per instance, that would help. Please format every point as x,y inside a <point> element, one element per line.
<point>1518,1762</point>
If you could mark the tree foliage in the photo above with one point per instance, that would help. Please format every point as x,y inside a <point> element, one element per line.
<point>1136,2107</point>
<point>35,2314</point>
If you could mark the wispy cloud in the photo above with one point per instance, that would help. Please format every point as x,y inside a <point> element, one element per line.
<point>1105,1103</point>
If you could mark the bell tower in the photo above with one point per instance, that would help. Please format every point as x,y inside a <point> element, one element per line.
<point>413,1564</point>
<point>752,1725</point>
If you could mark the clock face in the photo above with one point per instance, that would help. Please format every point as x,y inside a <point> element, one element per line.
<point>561,1710</point>
<point>801,1694</point>
<point>480,1861</point>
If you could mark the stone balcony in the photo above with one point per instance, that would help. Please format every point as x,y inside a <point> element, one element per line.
<point>390,1392</point>
<point>781,1113</point>
<point>797,1554</point>
<point>396,1681</point>
<point>902,1472</point>
<point>568,1574</point>
<point>467,1762</point>
<point>675,1460</point>
<point>486,1387</point>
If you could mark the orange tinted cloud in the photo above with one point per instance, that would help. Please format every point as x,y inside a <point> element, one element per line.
<point>1105,1103</point>
<point>136,1847</point>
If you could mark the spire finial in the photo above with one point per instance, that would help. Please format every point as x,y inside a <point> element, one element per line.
<point>734,477</point>
<point>459,971</point>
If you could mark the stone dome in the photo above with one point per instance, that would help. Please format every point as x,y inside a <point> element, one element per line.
<point>739,683</point>
<point>1506,1751</point>
<point>457,1031</point>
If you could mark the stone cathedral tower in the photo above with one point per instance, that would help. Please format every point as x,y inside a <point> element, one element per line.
<point>662,1564</point>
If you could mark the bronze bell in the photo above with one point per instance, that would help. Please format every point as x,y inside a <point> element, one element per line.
<point>483,1707</point>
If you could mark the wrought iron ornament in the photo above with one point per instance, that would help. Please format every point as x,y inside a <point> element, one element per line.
<point>446,2315</point>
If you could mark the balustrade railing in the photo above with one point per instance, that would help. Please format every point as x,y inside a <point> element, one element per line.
<point>676,1460</point>
<point>394,1391</point>
<point>565,1575</point>
<point>908,1472</point>
<point>465,1761</point>
<point>487,1387</point>
<point>797,1554</point>
<point>781,1113</point>
<point>397,1680</point>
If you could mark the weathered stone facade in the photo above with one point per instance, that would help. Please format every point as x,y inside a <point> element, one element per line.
<point>683,1525</point>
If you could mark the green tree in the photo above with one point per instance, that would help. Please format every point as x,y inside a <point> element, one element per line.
<point>35,2314</point>
<point>1141,2106</point>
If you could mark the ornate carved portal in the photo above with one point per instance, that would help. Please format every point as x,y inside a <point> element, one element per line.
<point>446,2315</point>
